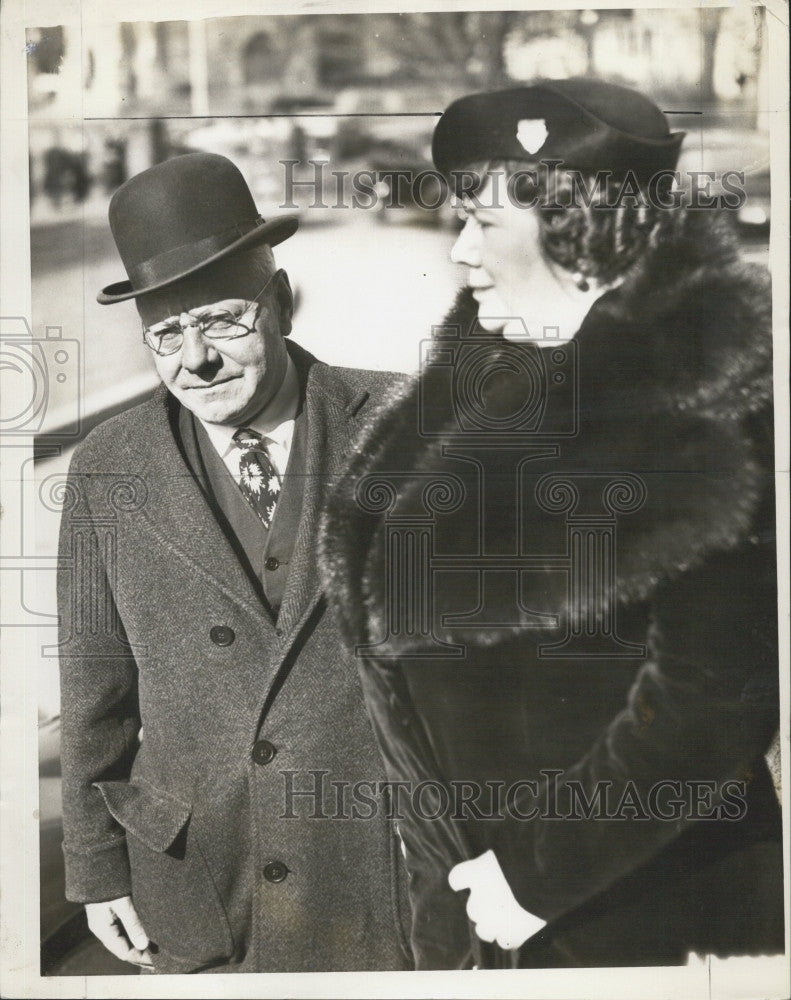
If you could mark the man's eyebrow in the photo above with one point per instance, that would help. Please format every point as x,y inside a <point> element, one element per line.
<point>220,306</point>
<point>167,321</point>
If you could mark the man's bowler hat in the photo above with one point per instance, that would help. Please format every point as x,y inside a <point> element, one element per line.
<point>589,125</point>
<point>180,216</point>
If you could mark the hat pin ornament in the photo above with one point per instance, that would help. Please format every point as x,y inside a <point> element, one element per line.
<point>531,134</point>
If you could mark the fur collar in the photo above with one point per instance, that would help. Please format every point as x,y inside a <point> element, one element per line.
<point>675,384</point>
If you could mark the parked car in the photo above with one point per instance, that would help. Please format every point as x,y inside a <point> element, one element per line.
<point>722,150</point>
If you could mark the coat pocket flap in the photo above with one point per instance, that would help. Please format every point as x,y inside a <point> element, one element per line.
<point>155,817</point>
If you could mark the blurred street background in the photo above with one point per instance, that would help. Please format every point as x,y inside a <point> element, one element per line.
<point>347,92</point>
<point>350,92</point>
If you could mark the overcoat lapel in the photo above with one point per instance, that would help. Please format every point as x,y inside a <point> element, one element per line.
<point>331,408</point>
<point>179,514</point>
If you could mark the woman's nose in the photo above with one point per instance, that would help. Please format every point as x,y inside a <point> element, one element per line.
<point>466,249</point>
<point>196,351</point>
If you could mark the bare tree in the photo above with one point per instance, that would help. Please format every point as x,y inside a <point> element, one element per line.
<point>710,18</point>
<point>469,45</point>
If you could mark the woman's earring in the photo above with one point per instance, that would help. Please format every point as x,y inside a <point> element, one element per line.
<point>581,281</point>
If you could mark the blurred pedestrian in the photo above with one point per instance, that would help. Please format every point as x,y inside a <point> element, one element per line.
<point>114,166</point>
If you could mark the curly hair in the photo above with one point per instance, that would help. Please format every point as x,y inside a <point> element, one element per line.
<point>592,236</point>
<point>593,225</point>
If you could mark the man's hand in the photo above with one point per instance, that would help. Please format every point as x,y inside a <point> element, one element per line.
<point>492,907</point>
<point>118,927</point>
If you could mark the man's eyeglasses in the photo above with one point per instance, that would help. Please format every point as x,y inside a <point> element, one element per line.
<point>215,324</point>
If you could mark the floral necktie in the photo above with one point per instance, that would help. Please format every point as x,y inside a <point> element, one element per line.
<point>259,480</point>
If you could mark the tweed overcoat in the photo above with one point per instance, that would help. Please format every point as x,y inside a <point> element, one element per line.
<point>172,673</point>
<point>672,448</point>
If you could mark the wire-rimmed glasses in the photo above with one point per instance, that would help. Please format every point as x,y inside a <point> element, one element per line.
<point>216,324</point>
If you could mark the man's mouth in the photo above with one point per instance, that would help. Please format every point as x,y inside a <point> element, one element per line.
<point>211,385</point>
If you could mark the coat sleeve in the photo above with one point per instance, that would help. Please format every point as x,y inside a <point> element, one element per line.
<point>701,712</point>
<point>100,721</point>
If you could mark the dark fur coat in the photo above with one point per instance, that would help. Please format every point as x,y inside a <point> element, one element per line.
<point>674,372</point>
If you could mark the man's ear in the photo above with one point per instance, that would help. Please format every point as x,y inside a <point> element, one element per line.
<point>284,298</point>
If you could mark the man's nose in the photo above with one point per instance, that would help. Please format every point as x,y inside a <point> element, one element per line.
<point>197,350</point>
<point>466,249</point>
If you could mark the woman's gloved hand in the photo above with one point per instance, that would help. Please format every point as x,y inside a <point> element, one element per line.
<point>492,907</point>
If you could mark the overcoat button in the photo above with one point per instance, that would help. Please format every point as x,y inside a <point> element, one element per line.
<point>272,563</point>
<point>263,752</point>
<point>275,871</point>
<point>221,635</point>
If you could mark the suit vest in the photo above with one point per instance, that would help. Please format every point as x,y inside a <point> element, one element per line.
<point>264,553</point>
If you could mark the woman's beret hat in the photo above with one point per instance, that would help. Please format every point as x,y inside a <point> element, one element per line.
<point>589,125</point>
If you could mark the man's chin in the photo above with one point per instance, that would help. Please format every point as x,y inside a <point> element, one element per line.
<point>213,413</point>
